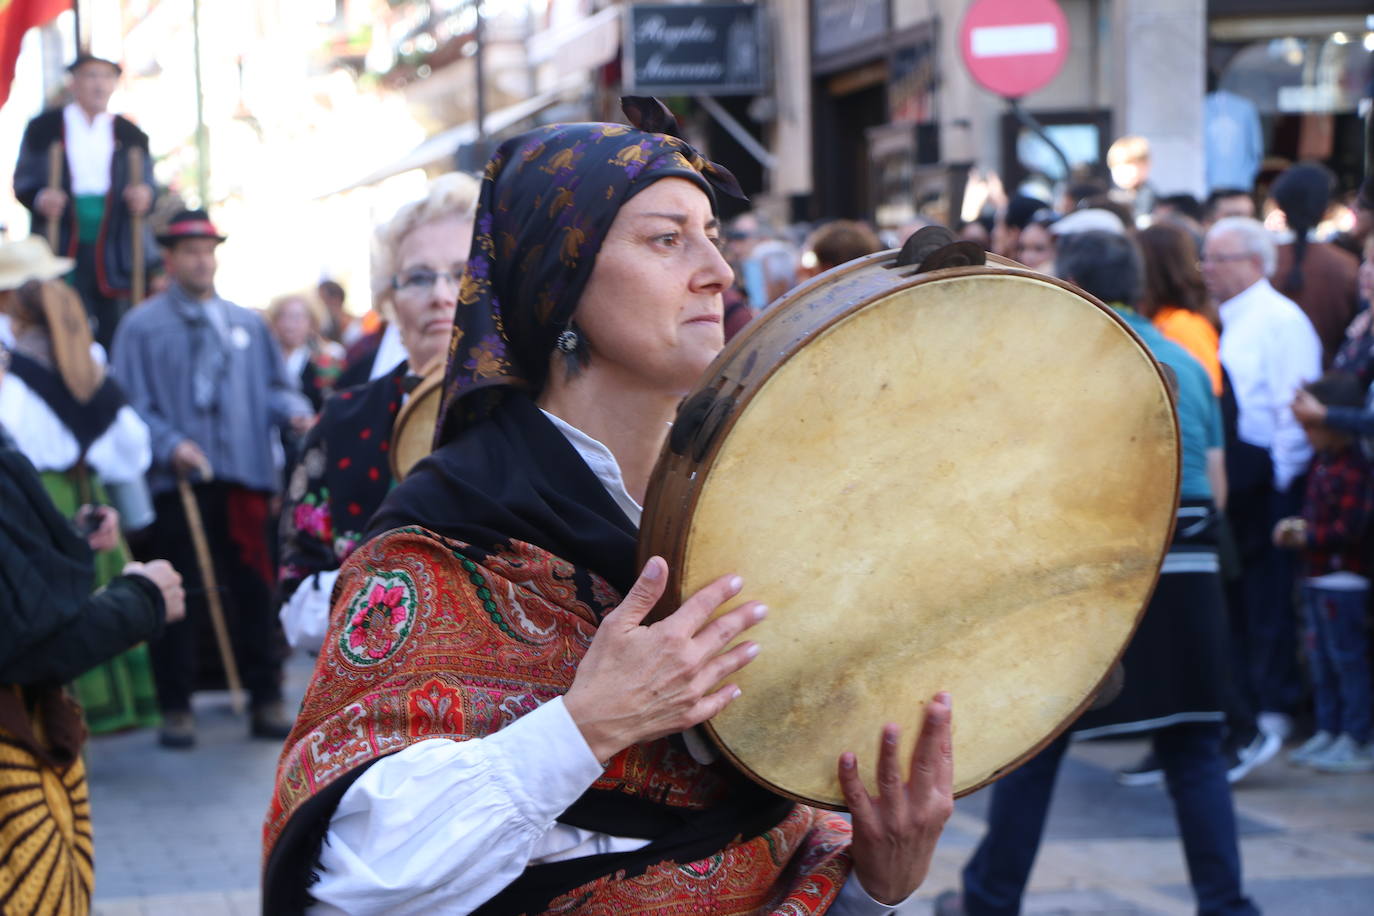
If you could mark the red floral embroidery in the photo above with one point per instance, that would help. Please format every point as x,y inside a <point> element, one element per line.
<point>377,623</point>
<point>435,709</point>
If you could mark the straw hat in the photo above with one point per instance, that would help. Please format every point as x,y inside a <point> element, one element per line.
<point>29,259</point>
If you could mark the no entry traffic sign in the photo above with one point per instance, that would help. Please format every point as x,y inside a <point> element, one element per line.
<point>1014,47</point>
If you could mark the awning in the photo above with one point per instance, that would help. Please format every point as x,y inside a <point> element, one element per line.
<point>581,46</point>
<point>442,146</point>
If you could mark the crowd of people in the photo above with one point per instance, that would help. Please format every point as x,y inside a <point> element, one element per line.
<point>193,489</point>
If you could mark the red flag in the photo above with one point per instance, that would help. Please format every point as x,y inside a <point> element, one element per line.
<point>16,18</point>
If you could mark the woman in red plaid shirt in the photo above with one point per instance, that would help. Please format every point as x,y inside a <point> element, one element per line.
<point>1333,534</point>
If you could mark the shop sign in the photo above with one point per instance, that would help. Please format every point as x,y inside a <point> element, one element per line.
<point>1308,99</point>
<point>676,49</point>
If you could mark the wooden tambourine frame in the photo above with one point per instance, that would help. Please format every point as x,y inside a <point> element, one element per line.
<point>412,435</point>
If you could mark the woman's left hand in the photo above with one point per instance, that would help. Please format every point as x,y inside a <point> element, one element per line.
<point>895,832</point>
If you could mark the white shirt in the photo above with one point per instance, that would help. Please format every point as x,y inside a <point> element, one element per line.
<point>390,351</point>
<point>122,453</point>
<point>295,364</point>
<point>90,147</point>
<point>442,826</point>
<point>1270,349</point>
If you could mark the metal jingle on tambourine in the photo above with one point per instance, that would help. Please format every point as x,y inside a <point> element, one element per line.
<point>956,254</point>
<point>922,244</point>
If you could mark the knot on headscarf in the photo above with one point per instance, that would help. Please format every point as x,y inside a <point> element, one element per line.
<point>548,199</point>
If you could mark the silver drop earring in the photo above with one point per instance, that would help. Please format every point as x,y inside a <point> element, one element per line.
<point>568,341</point>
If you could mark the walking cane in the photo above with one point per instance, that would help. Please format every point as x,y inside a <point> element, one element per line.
<point>55,163</point>
<point>136,224</point>
<point>207,577</point>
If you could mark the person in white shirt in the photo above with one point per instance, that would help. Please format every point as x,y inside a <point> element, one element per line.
<point>489,727</point>
<point>1269,349</point>
<point>98,193</point>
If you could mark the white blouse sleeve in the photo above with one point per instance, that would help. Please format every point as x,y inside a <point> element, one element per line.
<point>124,451</point>
<point>854,901</point>
<point>443,826</point>
<point>305,615</point>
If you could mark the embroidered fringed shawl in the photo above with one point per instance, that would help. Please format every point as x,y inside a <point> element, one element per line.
<point>432,638</point>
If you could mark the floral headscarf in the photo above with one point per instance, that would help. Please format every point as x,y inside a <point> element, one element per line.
<point>548,199</point>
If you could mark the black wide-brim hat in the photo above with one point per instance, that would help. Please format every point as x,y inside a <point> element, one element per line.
<point>189,224</point>
<point>83,59</point>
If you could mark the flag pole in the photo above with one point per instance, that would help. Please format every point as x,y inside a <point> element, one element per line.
<point>202,142</point>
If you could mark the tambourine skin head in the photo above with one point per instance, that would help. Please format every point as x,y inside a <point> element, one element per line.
<point>966,482</point>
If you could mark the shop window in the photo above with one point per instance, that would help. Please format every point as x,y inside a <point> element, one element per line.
<point>1290,75</point>
<point>1083,136</point>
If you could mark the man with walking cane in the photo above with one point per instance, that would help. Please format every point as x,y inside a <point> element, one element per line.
<point>87,177</point>
<point>209,381</point>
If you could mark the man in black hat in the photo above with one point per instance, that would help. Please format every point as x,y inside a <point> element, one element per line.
<point>208,379</point>
<point>98,195</point>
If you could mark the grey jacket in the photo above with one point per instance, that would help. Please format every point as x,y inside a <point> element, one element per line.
<point>152,360</point>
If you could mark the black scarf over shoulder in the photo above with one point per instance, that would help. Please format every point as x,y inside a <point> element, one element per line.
<point>513,475</point>
<point>87,422</point>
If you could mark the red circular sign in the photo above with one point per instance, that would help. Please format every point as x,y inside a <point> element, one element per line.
<point>1014,47</point>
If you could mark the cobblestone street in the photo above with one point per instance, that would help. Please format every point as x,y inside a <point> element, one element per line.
<point>178,833</point>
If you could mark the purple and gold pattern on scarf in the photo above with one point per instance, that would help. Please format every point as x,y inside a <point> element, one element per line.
<point>548,199</point>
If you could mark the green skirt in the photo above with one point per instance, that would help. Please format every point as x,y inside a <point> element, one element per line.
<point>120,693</point>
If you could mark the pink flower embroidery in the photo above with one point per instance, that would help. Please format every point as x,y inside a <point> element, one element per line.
<point>375,627</point>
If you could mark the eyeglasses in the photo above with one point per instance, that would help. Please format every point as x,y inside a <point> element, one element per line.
<point>1222,258</point>
<point>422,280</point>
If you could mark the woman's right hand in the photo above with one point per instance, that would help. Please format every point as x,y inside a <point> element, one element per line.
<point>168,581</point>
<point>637,683</point>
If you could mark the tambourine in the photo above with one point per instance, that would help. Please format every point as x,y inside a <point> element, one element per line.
<point>939,474</point>
<point>412,434</point>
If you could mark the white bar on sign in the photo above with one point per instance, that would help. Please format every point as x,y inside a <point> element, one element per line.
<point>1014,40</point>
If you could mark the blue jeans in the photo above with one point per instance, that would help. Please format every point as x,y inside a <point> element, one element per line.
<point>1337,656</point>
<point>1195,772</point>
